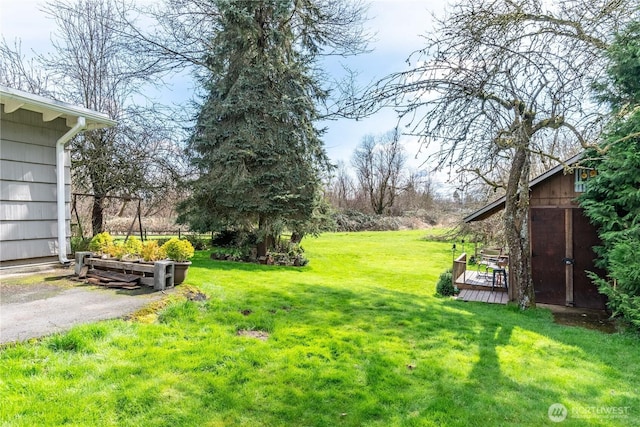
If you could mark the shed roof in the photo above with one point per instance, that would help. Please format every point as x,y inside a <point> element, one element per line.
<point>497,205</point>
<point>50,109</point>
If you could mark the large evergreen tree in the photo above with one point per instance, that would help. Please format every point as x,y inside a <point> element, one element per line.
<point>258,152</point>
<point>612,198</point>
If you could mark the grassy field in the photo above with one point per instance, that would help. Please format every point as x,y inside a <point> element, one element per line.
<point>356,338</point>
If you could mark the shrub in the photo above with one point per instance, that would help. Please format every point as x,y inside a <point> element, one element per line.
<point>287,253</point>
<point>80,244</point>
<point>178,250</point>
<point>198,243</point>
<point>225,238</point>
<point>161,241</point>
<point>445,286</point>
<point>101,242</point>
<point>351,220</point>
<point>233,254</point>
<point>624,296</point>
<point>234,239</point>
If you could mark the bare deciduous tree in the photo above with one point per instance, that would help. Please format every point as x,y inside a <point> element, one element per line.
<point>93,64</point>
<point>20,73</point>
<point>417,193</point>
<point>378,164</point>
<point>341,190</point>
<point>497,81</point>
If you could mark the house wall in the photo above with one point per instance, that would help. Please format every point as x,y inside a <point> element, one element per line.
<point>28,213</point>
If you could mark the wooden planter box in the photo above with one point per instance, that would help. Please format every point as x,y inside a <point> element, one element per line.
<point>160,274</point>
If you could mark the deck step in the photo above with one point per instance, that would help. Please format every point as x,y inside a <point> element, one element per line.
<point>483,296</point>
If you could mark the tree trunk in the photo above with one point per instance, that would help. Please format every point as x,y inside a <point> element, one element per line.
<point>296,237</point>
<point>97,214</point>
<point>265,237</point>
<point>516,222</point>
<point>261,249</point>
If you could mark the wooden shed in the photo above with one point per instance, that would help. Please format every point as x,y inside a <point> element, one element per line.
<point>35,177</point>
<point>562,239</point>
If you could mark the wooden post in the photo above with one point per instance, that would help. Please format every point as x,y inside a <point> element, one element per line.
<point>75,208</point>
<point>140,219</point>
<point>130,229</point>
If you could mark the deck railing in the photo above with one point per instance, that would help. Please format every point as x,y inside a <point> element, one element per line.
<point>459,268</point>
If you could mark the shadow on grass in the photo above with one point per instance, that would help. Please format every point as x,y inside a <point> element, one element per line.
<point>398,356</point>
<point>381,356</point>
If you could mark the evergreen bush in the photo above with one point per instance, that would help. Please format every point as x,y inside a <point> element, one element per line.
<point>445,286</point>
<point>611,200</point>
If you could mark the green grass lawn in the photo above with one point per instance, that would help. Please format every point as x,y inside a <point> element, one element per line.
<point>356,338</point>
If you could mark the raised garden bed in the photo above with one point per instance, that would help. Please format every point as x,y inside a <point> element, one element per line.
<point>124,274</point>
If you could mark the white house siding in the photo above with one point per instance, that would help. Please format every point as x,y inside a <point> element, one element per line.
<point>28,229</point>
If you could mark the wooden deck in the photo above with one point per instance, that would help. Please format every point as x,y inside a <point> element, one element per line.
<point>475,285</point>
<point>472,279</point>
<point>495,297</point>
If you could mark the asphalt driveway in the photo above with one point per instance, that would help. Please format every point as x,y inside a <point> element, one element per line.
<point>33,306</point>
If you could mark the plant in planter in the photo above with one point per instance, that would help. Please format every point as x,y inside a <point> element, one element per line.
<point>151,251</point>
<point>180,251</point>
<point>133,246</point>
<point>125,251</point>
<point>117,250</point>
<point>101,243</point>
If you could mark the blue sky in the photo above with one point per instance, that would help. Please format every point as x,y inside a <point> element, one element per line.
<point>397,25</point>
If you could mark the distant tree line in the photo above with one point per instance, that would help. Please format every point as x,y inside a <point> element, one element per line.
<point>378,181</point>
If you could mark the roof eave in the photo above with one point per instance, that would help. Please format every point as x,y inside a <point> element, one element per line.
<point>50,109</point>
<point>497,205</point>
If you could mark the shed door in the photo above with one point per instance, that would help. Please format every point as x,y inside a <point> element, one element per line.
<point>585,237</point>
<point>547,253</point>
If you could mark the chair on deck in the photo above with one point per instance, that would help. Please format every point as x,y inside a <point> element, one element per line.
<point>495,260</point>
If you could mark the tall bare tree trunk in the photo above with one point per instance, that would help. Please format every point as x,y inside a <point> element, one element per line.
<point>516,222</point>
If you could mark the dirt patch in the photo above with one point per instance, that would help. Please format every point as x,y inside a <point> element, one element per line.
<point>585,318</point>
<point>195,295</point>
<point>261,335</point>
